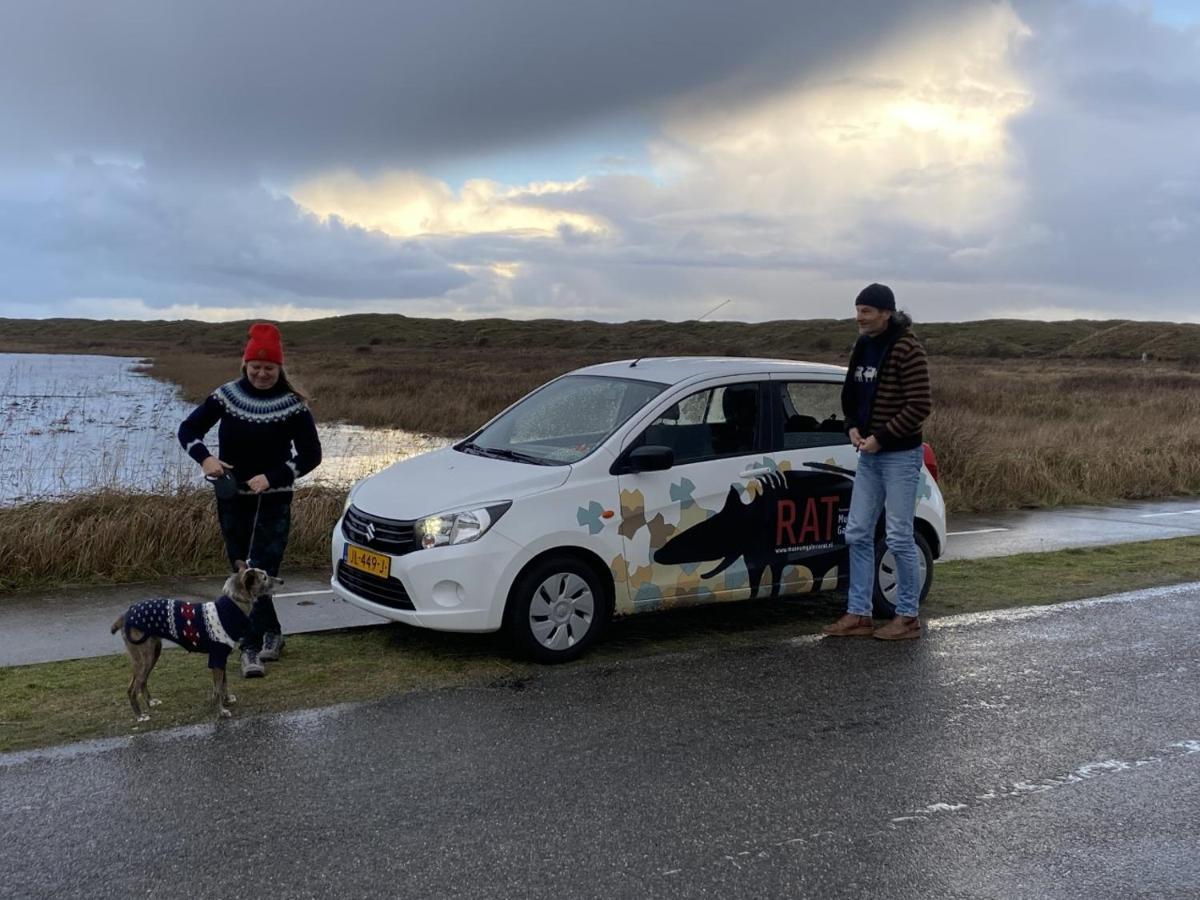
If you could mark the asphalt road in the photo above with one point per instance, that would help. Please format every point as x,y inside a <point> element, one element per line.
<point>1043,530</point>
<point>1038,753</point>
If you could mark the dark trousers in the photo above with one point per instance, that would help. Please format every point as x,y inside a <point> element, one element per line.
<point>255,529</point>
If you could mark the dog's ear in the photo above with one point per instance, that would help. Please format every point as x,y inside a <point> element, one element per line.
<point>239,565</point>
<point>254,581</point>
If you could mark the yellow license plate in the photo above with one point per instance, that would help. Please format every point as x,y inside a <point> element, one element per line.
<point>376,564</point>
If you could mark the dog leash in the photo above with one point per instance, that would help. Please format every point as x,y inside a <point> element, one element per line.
<point>253,529</point>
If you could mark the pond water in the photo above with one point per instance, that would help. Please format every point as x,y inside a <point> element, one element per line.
<point>74,424</point>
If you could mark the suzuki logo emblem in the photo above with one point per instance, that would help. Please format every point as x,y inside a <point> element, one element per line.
<point>370,531</point>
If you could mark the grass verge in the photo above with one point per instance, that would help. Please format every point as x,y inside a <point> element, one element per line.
<point>53,703</point>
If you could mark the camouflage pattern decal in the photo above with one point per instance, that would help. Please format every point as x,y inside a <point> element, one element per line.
<point>591,517</point>
<point>682,493</point>
<point>633,513</point>
<point>924,489</point>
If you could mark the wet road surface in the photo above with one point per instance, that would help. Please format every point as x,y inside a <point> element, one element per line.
<point>1043,530</point>
<point>1042,753</point>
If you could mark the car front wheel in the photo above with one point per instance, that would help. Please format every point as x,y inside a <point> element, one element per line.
<point>887,578</point>
<point>556,610</point>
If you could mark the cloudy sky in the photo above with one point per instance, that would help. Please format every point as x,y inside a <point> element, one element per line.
<point>603,159</point>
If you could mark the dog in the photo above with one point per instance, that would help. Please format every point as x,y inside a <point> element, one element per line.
<point>214,628</point>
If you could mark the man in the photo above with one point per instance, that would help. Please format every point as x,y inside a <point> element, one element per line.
<point>885,400</point>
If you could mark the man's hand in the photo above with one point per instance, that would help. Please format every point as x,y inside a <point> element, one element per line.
<point>855,437</point>
<point>258,484</point>
<point>870,445</point>
<point>214,468</point>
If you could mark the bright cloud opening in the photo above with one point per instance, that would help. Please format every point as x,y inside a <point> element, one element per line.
<point>409,204</point>
<point>917,132</point>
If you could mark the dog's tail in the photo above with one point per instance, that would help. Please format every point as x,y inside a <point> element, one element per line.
<point>117,625</point>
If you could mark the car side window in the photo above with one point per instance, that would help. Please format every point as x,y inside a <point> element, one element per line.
<point>715,422</point>
<point>811,414</point>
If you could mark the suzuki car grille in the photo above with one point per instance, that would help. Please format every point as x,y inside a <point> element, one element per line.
<point>393,536</point>
<point>384,591</point>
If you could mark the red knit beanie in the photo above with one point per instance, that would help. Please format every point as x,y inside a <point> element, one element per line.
<point>265,344</point>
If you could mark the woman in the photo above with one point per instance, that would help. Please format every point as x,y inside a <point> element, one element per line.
<point>267,439</point>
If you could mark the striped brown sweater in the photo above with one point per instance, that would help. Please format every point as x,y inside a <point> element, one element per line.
<point>902,396</point>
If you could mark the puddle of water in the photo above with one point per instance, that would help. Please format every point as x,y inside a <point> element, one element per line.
<point>76,424</point>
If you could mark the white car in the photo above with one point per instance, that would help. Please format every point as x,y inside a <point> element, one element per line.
<point>615,489</point>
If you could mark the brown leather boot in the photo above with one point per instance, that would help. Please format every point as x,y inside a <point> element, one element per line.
<point>851,625</point>
<point>901,628</point>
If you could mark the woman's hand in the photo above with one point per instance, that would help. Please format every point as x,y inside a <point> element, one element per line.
<point>870,445</point>
<point>855,437</point>
<point>214,468</point>
<point>258,484</point>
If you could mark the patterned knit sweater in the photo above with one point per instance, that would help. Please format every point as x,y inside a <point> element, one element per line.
<point>268,432</point>
<point>213,628</point>
<point>903,399</point>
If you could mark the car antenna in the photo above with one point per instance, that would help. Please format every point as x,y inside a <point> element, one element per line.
<point>633,364</point>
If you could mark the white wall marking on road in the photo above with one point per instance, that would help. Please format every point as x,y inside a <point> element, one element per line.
<point>1086,772</point>
<point>303,593</point>
<point>937,808</point>
<point>1182,512</point>
<point>1171,592</point>
<point>770,849</point>
<point>976,531</point>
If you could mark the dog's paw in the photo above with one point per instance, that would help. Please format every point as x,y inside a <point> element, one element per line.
<point>144,717</point>
<point>154,701</point>
<point>226,714</point>
<point>231,699</point>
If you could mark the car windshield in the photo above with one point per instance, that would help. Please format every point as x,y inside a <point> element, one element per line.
<point>563,421</point>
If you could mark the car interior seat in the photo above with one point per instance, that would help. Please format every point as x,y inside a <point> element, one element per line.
<point>739,403</point>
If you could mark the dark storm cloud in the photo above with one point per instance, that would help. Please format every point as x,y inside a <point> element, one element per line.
<point>290,85</point>
<point>116,231</point>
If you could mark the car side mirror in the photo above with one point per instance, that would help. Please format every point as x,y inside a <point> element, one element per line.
<point>654,458</point>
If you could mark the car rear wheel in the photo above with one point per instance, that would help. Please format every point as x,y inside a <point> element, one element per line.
<point>556,610</point>
<point>887,578</point>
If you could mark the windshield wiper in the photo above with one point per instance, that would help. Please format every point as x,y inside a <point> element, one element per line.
<point>473,449</point>
<point>502,453</point>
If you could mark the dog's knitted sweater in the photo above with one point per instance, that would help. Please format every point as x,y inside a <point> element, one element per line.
<point>213,628</point>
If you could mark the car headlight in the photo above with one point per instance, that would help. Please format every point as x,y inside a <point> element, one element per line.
<point>460,527</point>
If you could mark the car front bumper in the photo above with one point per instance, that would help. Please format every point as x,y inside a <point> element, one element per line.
<point>453,588</point>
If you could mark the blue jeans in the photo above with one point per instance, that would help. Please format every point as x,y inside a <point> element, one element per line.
<point>886,480</point>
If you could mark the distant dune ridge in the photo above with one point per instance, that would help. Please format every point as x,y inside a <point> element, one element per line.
<point>1001,338</point>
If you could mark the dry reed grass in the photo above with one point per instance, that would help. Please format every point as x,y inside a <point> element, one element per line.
<point>1053,433</point>
<point>117,537</point>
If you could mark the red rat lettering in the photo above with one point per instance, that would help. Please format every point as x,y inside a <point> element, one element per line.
<point>785,531</point>
<point>811,521</point>
<point>831,511</point>
<point>787,518</point>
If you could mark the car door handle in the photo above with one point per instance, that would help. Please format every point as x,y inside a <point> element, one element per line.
<point>754,473</point>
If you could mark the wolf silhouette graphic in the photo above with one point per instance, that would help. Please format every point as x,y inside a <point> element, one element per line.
<point>799,517</point>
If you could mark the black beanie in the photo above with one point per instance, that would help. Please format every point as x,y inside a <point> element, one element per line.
<point>879,296</point>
